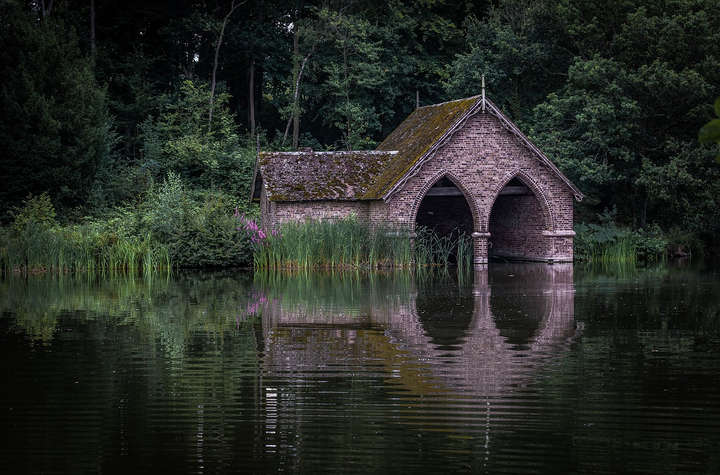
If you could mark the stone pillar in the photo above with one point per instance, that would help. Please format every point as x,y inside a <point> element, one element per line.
<point>480,248</point>
<point>561,245</point>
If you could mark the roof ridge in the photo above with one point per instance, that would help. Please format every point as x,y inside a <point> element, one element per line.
<point>440,104</point>
<point>328,152</point>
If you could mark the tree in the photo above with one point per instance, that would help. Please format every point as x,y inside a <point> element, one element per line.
<point>54,128</point>
<point>204,155</point>
<point>710,132</point>
<point>520,51</point>
<point>624,125</point>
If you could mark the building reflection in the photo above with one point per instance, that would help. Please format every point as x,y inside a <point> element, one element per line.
<point>483,337</point>
<point>404,346</point>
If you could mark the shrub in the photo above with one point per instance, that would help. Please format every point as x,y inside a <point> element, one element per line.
<point>607,243</point>
<point>36,209</point>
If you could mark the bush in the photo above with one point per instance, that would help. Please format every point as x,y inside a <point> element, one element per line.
<point>36,209</point>
<point>199,228</point>
<point>209,236</point>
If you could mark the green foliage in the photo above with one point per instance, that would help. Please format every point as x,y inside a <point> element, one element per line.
<point>613,92</point>
<point>199,228</point>
<point>519,50</point>
<point>353,71</point>
<point>349,243</point>
<point>623,125</point>
<point>170,227</point>
<point>433,249</point>
<point>605,242</point>
<point>36,209</point>
<point>710,132</point>
<point>183,141</point>
<point>86,248</point>
<point>54,121</point>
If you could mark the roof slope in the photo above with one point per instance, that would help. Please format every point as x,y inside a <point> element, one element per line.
<point>375,175</point>
<point>428,128</point>
<point>423,132</point>
<point>303,176</point>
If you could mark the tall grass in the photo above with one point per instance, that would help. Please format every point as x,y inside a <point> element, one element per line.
<point>606,243</point>
<point>38,248</point>
<point>620,250</point>
<point>349,243</point>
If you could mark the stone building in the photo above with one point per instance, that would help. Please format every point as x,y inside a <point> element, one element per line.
<point>457,165</point>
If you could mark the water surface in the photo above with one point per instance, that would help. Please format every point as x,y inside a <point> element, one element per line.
<point>517,368</point>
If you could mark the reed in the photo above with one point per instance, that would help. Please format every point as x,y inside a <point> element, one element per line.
<point>622,249</point>
<point>58,249</point>
<point>349,243</point>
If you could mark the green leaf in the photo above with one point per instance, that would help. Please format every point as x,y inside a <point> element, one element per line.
<point>717,107</point>
<point>710,132</point>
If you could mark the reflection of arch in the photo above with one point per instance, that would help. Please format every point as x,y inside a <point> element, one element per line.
<point>460,185</point>
<point>518,218</point>
<point>305,343</point>
<point>484,361</point>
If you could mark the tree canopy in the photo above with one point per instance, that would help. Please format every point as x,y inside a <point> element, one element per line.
<point>101,99</point>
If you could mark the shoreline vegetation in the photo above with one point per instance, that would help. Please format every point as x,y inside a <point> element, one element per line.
<point>349,243</point>
<point>197,232</point>
<point>144,138</point>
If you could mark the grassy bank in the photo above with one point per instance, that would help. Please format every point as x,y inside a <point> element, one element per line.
<point>169,227</point>
<point>38,248</point>
<point>607,243</point>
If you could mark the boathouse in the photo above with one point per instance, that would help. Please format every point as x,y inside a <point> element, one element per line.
<point>457,165</point>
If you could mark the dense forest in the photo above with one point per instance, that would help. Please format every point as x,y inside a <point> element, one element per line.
<point>144,116</point>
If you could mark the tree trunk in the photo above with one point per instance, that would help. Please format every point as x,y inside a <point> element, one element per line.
<point>45,9</point>
<point>92,25</point>
<point>213,81</point>
<point>251,97</point>
<point>298,70</point>
<point>297,73</point>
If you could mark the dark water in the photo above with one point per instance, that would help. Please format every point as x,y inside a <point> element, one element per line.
<point>514,369</point>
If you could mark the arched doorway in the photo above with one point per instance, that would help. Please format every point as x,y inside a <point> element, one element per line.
<point>517,224</point>
<point>445,209</point>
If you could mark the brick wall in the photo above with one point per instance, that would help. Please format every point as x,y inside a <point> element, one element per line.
<point>481,159</point>
<point>299,211</point>
<point>516,228</point>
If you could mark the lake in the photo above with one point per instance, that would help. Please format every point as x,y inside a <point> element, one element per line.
<point>513,368</point>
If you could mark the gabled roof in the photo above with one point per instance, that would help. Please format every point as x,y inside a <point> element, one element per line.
<point>375,175</point>
<point>428,128</point>
<point>307,176</point>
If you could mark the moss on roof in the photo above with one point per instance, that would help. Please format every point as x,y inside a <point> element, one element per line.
<point>305,176</point>
<point>373,175</point>
<point>416,137</point>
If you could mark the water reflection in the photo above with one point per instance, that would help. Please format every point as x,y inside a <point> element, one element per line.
<point>493,332</point>
<point>516,368</point>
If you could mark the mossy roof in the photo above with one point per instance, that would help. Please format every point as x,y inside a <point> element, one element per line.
<point>425,130</point>
<point>375,175</point>
<point>308,176</point>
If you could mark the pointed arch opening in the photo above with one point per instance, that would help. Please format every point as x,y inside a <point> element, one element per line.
<point>516,223</point>
<point>445,210</point>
